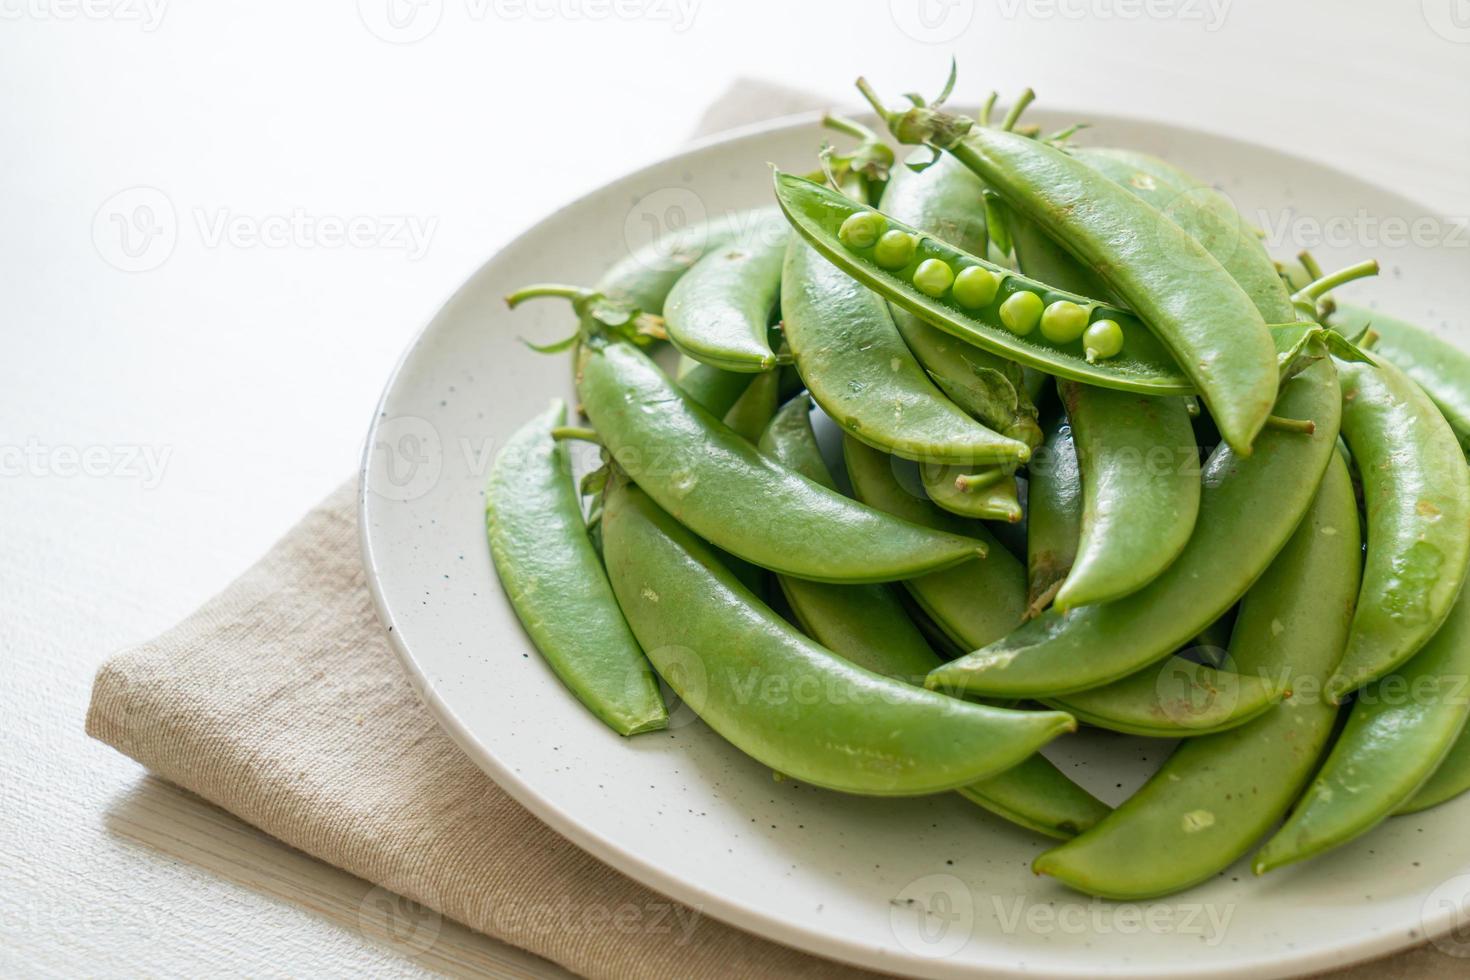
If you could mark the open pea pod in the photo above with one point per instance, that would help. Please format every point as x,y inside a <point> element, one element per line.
<point>1234,540</point>
<point>1216,796</point>
<point>1142,365</point>
<point>556,584</point>
<point>750,676</point>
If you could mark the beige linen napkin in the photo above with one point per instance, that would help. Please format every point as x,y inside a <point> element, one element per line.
<point>281,702</point>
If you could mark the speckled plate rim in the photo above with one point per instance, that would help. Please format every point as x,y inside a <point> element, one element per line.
<point>753,919</point>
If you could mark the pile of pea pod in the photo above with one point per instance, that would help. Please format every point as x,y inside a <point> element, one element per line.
<point>1015,436</point>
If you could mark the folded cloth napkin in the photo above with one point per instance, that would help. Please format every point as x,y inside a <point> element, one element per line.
<point>281,702</point>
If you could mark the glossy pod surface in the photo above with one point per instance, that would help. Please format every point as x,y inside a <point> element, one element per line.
<point>716,389</point>
<point>978,603</point>
<point>1416,490</point>
<point>722,488</point>
<point>1144,364</point>
<point>1216,796</point>
<point>1449,780</point>
<point>1206,215</point>
<point>644,277</point>
<point>1398,732</point>
<point>556,583</point>
<point>1140,490</point>
<point>1440,368</point>
<point>1053,513</point>
<point>718,312</point>
<point>1234,541</point>
<point>1168,279</point>
<point>858,368</point>
<point>815,717</point>
<point>868,626</point>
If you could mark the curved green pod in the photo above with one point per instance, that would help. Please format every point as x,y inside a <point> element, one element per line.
<point>752,411</point>
<point>1235,539</point>
<point>716,389</point>
<point>813,716</point>
<point>1416,488</point>
<point>1144,364</point>
<point>1206,214</point>
<point>1450,779</point>
<point>858,368</point>
<point>988,495</point>
<point>1140,490</point>
<point>945,201</point>
<point>1216,796</point>
<point>868,626</point>
<point>1044,260</point>
<point>723,489</point>
<point>1440,368</point>
<point>973,603</point>
<point>1175,699</point>
<point>1053,513</point>
<point>555,581</point>
<point>1189,302</point>
<point>718,311</point>
<point>643,278</point>
<point>981,602</point>
<point>1398,732</point>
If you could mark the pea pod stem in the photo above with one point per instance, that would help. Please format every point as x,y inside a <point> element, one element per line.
<point>1315,289</point>
<point>1013,116</point>
<point>576,432</point>
<point>1306,426</point>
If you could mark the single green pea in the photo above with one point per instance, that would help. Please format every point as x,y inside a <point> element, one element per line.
<point>1063,322</point>
<point>1102,339</point>
<point>1020,313</point>
<point>861,229</point>
<point>895,249</point>
<point>975,287</point>
<point>933,277</point>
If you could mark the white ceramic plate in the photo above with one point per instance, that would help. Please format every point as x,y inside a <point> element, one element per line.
<point>931,886</point>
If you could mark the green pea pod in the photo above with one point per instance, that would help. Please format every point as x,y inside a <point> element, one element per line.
<point>1046,261</point>
<point>868,626</point>
<point>724,490</point>
<point>712,387</point>
<point>982,601</point>
<point>756,405</point>
<point>865,624</point>
<point>1143,364</point>
<point>1053,513</point>
<point>719,311</point>
<point>556,583</point>
<point>1178,698</point>
<point>1417,493</point>
<point>643,278</point>
<point>858,368</point>
<point>1398,732</point>
<point>1451,779</point>
<point>1140,490</point>
<point>1234,540</point>
<point>1206,215</point>
<point>1168,279</point>
<point>986,495</point>
<point>945,201</point>
<point>1440,368</point>
<point>1216,796</point>
<point>779,697</point>
<point>948,597</point>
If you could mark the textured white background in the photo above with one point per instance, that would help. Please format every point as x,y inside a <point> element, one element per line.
<point>160,427</point>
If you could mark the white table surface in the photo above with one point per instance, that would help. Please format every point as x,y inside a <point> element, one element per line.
<point>159,428</point>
